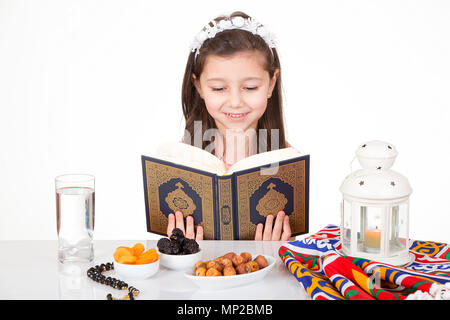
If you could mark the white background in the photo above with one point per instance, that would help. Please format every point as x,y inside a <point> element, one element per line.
<point>89,86</point>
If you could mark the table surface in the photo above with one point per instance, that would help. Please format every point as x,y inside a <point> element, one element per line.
<point>30,270</point>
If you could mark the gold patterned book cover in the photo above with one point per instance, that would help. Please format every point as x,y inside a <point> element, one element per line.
<point>228,204</point>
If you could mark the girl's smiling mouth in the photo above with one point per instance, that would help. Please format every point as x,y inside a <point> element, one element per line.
<point>237,116</point>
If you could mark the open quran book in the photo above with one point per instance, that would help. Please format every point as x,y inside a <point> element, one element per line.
<point>227,203</point>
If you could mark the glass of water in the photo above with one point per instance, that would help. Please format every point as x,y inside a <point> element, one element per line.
<point>75,215</point>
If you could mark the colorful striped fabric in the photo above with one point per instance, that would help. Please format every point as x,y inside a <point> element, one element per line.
<point>325,273</point>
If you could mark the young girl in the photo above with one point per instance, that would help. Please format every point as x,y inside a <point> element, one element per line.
<point>232,85</point>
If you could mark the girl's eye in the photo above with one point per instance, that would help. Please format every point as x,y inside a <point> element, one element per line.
<point>246,88</point>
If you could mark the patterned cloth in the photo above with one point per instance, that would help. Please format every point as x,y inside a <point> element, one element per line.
<point>318,263</point>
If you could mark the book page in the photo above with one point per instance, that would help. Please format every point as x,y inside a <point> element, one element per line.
<point>193,157</point>
<point>264,158</point>
<point>190,156</point>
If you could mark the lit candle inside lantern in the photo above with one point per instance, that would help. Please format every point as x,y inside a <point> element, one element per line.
<point>372,238</point>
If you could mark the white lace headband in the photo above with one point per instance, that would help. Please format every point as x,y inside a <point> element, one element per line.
<point>248,24</point>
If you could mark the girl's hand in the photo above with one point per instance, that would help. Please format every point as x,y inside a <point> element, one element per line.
<point>177,221</point>
<point>280,231</point>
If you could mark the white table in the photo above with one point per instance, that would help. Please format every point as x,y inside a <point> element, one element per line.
<point>30,270</point>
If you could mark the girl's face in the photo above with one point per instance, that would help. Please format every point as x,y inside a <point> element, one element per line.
<point>235,89</point>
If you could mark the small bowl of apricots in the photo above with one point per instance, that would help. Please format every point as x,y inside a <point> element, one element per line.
<point>135,262</point>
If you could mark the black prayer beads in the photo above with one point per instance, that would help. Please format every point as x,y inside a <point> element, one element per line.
<point>132,292</point>
<point>95,273</point>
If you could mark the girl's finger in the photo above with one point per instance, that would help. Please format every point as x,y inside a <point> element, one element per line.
<point>259,232</point>
<point>268,228</point>
<point>170,224</point>
<point>179,221</point>
<point>286,229</point>
<point>190,227</point>
<point>199,235</point>
<point>276,232</point>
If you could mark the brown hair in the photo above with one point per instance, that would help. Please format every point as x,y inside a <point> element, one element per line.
<point>227,43</point>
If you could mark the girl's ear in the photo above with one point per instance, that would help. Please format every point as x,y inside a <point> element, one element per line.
<point>196,83</point>
<point>272,83</point>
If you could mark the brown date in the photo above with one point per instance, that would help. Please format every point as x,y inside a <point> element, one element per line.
<point>246,256</point>
<point>200,272</point>
<point>261,261</point>
<point>226,262</point>
<point>253,266</point>
<point>213,272</point>
<point>214,264</point>
<point>229,255</point>
<point>237,260</point>
<point>229,271</point>
<point>243,268</point>
<point>199,264</point>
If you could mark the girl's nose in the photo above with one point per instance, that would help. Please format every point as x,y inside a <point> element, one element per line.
<point>235,98</point>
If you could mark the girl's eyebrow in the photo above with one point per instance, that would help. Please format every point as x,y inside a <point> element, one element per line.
<point>245,79</point>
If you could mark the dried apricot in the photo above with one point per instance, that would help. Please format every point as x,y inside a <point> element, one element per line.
<point>135,254</point>
<point>127,259</point>
<point>148,256</point>
<point>146,259</point>
<point>150,252</point>
<point>122,251</point>
<point>138,249</point>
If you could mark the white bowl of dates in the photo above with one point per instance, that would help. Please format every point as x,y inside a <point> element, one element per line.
<point>178,252</point>
<point>230,270</point>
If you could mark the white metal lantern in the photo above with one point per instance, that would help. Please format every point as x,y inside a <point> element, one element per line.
<point>375,207</point>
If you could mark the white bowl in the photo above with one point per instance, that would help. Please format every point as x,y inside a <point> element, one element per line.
<point>226,282</point>
<point>180,262</point>
<point>136,271</point>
